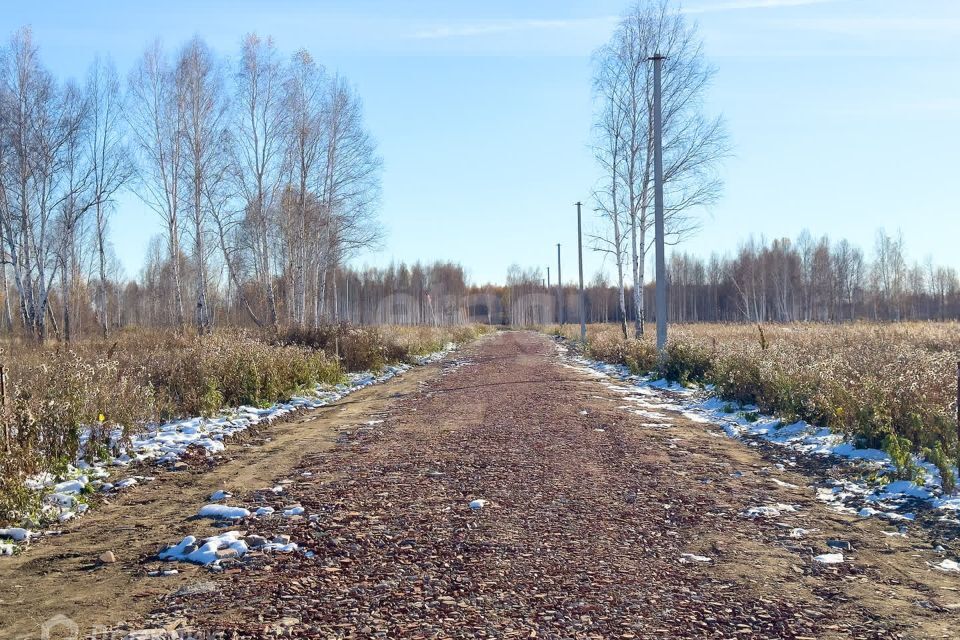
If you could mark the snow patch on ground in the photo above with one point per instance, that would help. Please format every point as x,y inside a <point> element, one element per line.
<point>690,557</point>
<point>829,558</point>
<point>17,534</point>
<point>781,483</point>
<point>212,550</point>
<point>891,500</point>
<point>206,553</point>
<point>948,565</point>
<point>768,511</point>
<point>223,512</point>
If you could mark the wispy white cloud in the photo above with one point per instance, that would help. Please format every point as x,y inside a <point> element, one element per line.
<point>475,29</point>
<point>740,5</point>
<point>497,27</point>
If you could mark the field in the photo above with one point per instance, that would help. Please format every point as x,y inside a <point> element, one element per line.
<point>886,385</point>
<point>890,386</point>
<point>86,401</point>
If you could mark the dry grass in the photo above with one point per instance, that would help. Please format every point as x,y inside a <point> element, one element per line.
<point>64,403</point>
<point>372,348</point>
<point>872,381</point>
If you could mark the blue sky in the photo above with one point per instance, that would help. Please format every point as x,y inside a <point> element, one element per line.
<point>844,114</point>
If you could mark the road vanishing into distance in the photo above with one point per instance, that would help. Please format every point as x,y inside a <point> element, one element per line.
<point>504,492</point>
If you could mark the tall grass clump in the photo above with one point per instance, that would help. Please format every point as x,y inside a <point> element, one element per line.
<point>373,348</point>
<point>941,460</point>
<point>640,356</point>
<point>357,348</point>
<point>685,362</point>
<point>60,406</point>
<point>204,375</point>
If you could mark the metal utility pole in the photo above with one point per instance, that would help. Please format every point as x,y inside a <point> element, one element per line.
<point>559,287</point>
<point>583,304</point>
<point>661,274</point>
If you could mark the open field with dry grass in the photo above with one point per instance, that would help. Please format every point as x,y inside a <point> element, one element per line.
<point>887,385</point>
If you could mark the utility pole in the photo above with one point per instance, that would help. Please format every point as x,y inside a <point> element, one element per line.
<point>583,305</point>
<point>661,274</point>
<point>548,277</point>
<point>559,287</point>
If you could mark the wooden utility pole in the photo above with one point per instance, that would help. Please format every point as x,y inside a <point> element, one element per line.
<point>661,260</point>
<point>583,306</point>
<point>560,288</point>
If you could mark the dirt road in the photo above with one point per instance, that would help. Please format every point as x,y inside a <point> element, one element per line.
<point>597,521</point>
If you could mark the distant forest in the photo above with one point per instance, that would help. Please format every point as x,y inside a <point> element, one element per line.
<point>807,279</point>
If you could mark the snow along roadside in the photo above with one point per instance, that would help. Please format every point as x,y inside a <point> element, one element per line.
<point>63,497</point>
<point>895,501</point>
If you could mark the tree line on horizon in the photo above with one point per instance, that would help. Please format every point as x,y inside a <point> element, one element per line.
<point>804,280</point>
<point>808,279</point>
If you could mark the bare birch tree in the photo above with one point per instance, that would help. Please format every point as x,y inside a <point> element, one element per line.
<point>110,163</point>
<point>305,106</point>
<point>259,150</point>
<point>39,125</point>
<point>609,151</point>
<point>693,145</point>
<point>889,272</point>
<point>351,186</point>
<point>78,200</point>
<point>200,83</point>
<point>156,117</point>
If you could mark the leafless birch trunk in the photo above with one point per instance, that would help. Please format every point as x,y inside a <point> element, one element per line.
<point>110,162</point>
<point>200,83</point>
<point>693,145</point>
<point>259,149</point>
<point>156,114</point>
